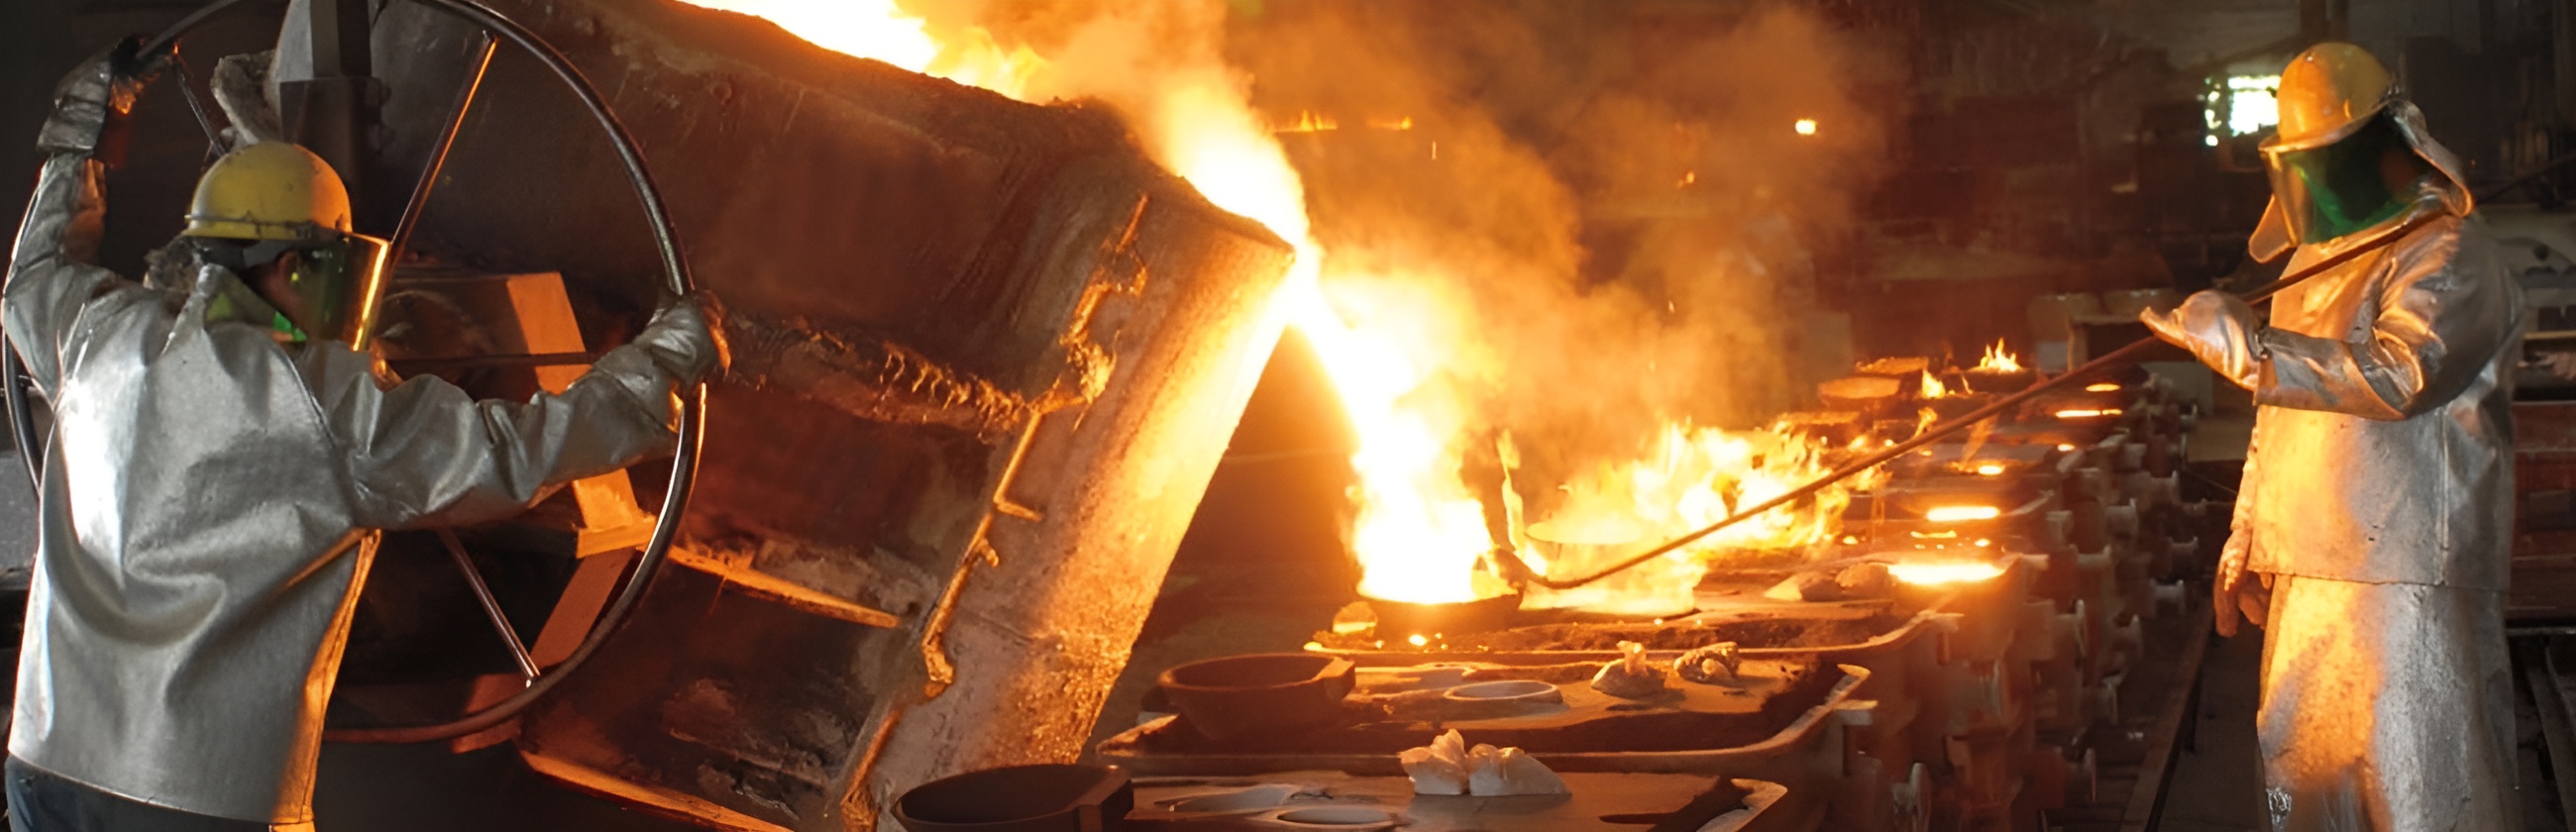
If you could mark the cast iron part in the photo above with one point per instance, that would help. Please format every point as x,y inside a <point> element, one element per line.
<point>1259,694</point>
<point>1036,798</point>
<point>684,455</point>
<point>1518,573</point>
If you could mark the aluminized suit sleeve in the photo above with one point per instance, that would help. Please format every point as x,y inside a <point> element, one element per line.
<point>424,453</point>
<point>50,276</point>
<point>2440,323</point>
<point>52,267</point>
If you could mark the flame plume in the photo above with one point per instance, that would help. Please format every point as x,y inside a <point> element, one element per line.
<point>1392,343</point>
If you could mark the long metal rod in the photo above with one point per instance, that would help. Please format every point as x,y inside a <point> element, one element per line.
<point>171,35</point>
<point>491,606</point>
<point>188,90</point>
<point>429,172</point>
<point>630,155</point>
<point>538,359</point>
<point>1519,571</point>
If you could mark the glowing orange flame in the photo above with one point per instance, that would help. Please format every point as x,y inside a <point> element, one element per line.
<point>1997,360</point>
<point>1309,122</point>
<point>2087,413</point>
<point>2101,387</point>
<point>882,30</point>
<point>1417,533</point>
<point>1690,478</point>
<point>1933,388</point>
<point>1804,126</point>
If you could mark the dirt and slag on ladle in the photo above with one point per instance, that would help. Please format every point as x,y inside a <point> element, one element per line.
<point>1692,717</point>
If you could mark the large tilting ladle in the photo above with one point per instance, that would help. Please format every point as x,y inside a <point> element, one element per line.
<point>1518,573</point>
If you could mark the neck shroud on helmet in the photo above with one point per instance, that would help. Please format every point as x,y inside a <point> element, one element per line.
<point>2351,154</point>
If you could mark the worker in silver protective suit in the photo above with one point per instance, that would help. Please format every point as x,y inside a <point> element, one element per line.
<point>2371,533</point>
<point>221,458</point>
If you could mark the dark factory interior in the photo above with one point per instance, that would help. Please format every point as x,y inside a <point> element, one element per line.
<point>1437,415</point>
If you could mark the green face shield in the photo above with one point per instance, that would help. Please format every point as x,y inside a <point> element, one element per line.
<point>2335,190</point>
<point>329,292</point>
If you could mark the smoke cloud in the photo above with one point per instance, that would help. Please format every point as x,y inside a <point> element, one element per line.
<point>1591,224</point>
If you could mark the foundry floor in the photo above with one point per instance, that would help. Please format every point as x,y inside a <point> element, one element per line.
<point>2217,787</point>
<point>2217,783</point>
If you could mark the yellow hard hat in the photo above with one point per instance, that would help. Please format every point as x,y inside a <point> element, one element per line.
<point>2327,93</point>
<point>269,191</point>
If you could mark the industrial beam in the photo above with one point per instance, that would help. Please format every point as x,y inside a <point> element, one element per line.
<point>327,92</point>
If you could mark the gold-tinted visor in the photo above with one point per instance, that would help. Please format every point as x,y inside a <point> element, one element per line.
<point>335,284</point>
<point>2337,189</point>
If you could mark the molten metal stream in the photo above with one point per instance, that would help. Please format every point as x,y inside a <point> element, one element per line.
<point>1521,574</point>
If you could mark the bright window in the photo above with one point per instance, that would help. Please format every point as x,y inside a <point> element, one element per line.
<point>2243,104</point>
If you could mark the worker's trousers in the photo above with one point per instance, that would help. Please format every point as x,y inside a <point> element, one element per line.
<point>40,801</point>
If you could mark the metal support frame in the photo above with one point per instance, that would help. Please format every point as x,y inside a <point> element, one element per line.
<point>491,606</point>
<point>327,89</point>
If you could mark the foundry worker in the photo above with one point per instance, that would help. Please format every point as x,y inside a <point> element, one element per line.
<point>2370,534</point>
<point>220,458</point>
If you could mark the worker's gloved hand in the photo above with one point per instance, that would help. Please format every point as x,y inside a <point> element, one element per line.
<point>2219,329</point>
<point>2236,590</point>
<point>91,102</point>
<point>2227,586</point>
<point>686,338</point>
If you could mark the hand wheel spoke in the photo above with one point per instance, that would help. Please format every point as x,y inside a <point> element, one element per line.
<point>491,606</point>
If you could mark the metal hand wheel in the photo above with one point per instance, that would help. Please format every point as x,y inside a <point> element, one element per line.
<point>684,455</point>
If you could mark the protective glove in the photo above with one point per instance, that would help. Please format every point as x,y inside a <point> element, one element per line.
<point>2219,329</point>
<point>2227,591</point>
<point>91,102</point>
<point>686,338</point>
<point>2235,590</point>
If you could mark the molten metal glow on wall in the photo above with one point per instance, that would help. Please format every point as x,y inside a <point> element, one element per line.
<point>1922,574</point>
<point>1418,533</point>
<point>1955,514</point>
<point>882,30</point>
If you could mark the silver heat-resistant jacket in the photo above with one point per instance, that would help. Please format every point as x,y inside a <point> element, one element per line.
<point>208,504</point>
<point>2383,440</point>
